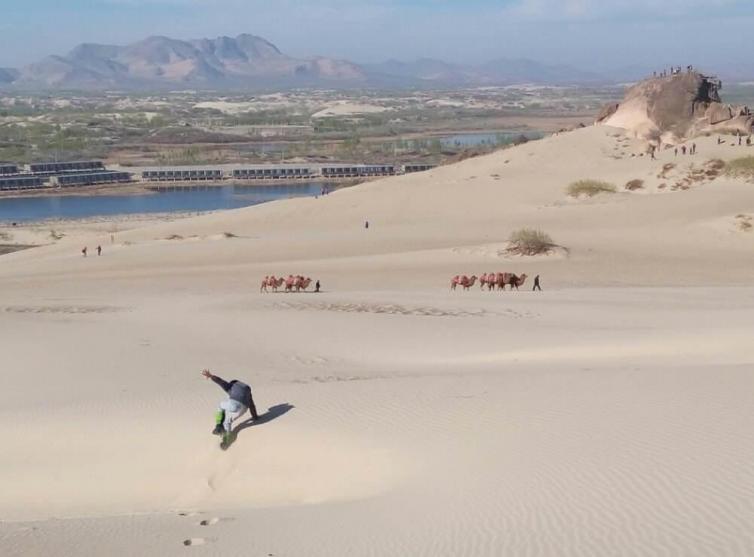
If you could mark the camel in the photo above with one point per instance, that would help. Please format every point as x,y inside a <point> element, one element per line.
<point>463,280</point>
<point>501,279</point>
<point>302,283</point>
<point>515,281</point>
<point>290,283</point>
<point>455,281</point>
<point>271,282</point>
<point>487,279</point>
<point>276,283</point>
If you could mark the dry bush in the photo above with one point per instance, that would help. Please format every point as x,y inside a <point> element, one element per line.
<point>667,167</point>
<point>635,185</point>
<point>741,168</point>
<point>590,188</point>
<point>715,164</point>
<point>529,241</point>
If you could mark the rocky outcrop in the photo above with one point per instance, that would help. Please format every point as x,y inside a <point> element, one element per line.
<point>672,109</point>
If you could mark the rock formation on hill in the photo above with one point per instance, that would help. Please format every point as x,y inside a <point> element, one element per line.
<point>671,109</point>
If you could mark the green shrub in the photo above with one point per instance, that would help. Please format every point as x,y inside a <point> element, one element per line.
<point>590,188</point>
<point>529,241</point>
<point>740,168</point>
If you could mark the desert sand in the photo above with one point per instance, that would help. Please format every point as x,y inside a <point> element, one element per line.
<point>608,415</point>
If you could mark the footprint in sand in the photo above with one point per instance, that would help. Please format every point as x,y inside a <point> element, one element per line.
<point>210,521</point>
<point>194,541</point>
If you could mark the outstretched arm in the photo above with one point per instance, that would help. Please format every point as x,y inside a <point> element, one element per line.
<point>224,385</point>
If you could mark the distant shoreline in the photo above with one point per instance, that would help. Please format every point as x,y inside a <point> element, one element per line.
<point>148,188</point>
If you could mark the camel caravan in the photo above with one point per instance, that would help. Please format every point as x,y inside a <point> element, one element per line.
<point>293,283</point>
<point>493,281</point>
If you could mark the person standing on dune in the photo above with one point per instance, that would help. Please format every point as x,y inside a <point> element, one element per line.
<point>536,284</point>
<point>239,400</point>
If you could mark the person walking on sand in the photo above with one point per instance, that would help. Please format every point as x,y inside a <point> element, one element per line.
<point>99,250</point>
<point>83,251</point>
<point>239,400</point>
<point>536,284</point>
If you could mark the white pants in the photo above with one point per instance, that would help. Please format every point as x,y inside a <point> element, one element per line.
<point>233,410</point>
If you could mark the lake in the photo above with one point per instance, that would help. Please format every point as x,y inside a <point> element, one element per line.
<point>500,138</point>
<point>21,209</point>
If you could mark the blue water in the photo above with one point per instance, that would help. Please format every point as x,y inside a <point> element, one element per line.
<point>487,138</point>
<point>190,200</point>
<point>461,141</point>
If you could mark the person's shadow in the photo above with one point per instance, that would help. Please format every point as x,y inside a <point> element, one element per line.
<point>273,412</point>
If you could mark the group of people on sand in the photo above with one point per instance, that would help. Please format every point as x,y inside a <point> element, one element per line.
<point>684,149</point>
<point>493,281</point>
<point>293,283</point>
<point>85,250</point>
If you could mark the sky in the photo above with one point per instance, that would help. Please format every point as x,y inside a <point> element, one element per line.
<point>589,34</point>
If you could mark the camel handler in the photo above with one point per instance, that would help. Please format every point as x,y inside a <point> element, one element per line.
<point>238,401</point>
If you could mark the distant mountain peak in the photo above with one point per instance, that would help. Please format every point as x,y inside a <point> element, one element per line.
<point>160,61</point>
<point>249,61</point>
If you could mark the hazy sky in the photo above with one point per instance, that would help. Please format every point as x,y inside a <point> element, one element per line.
<point>585,33</point>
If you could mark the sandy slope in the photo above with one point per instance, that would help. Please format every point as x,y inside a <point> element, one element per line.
<point>608,415</point>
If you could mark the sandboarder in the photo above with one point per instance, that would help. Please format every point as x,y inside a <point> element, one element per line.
<point>238,401</point>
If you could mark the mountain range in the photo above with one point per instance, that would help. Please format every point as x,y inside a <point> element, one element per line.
<point>249,61</point>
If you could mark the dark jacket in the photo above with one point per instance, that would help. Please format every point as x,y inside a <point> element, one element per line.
<point>236,390</point>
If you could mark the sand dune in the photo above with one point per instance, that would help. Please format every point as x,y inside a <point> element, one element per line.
<point>608,415</point>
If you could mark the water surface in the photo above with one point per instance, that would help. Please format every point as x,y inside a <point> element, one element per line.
<point>184,200</point>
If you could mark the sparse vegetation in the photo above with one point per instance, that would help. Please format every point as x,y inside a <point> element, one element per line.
<point>634,185</point>
<point>181,128</point>
<point>744,222</point>
<point>741,168</point>
<point>590,188</point>
<point>529,241</point>
<point>666,168</point>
